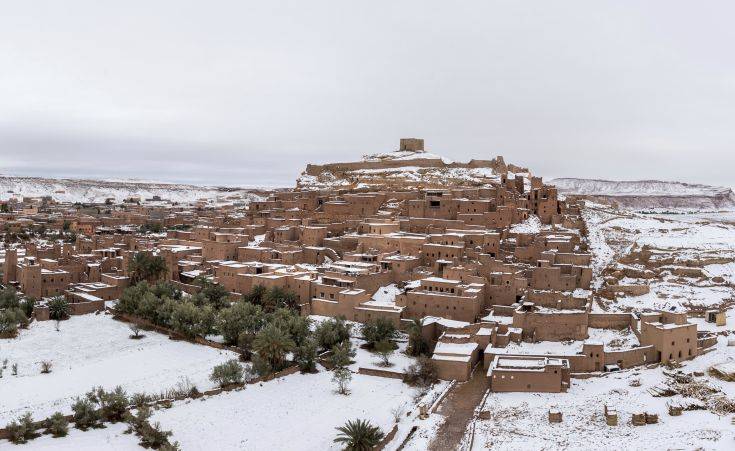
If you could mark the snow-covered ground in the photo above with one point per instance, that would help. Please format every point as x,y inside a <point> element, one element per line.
<point>94,350</point>
<point>110,438</point>
<point>612,234</point>
<point>296,412</point>
<point>519,420</point>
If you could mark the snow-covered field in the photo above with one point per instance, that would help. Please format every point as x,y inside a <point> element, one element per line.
<point>110,438</point>
<point>94,350</point>
<point>296,412</point>
<point>520,420</point>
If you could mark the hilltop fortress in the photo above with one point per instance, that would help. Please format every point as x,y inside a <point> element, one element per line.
<point>408,167</point>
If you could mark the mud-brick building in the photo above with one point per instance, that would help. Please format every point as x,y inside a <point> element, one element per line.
<point>529,374</point>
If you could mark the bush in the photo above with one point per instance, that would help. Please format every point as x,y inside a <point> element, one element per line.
<point>342,377</point>
<point>9,321</point>
<point>332,332</point>
<point>26,306</point>
<point>422,373</point>
<point>152,436</point>
<point>56,425</point>
<point>22,430</point>
<point>85,414</point>
<point>379,330</point>
<point>135,329</point>
<point>230,372</point>
<point>112,404</point>
<point>137,420</point>
<point>46,367</point>
<point>139,399</point>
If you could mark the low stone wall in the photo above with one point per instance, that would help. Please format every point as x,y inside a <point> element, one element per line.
<point>706,342</point>
<point>380,373</point>
<point>41,313</point>
<point>630,290</point>
<point>387,439</point>
<point>143,323</point>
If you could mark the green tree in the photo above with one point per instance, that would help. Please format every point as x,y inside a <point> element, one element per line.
<point>359,435</point>
<point>272,345</point>
<point>190,320</point>
<point>331,332</point>
<point>342,354</point>
<point>385,350</point>
<point>214,294</point>
<point>240,318</point>
<point>9,298</point>
<point>305,356</point>
<point>381,329</point>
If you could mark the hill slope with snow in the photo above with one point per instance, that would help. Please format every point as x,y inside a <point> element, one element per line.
<point>82,190</point>
<point>648,193</point>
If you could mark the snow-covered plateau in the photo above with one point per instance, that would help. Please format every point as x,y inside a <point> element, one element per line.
<point>97,191</point>
<point>648,193</point>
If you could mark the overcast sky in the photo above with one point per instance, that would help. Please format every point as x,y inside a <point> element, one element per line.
<point>247,93</point>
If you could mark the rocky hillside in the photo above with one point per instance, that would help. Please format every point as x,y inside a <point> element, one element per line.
<point>78,190</point>
<point>648,193</point>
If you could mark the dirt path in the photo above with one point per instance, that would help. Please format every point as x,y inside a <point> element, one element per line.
<point>459,409</point>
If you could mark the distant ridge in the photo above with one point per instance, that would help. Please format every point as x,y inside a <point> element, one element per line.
<point>97,191</point>
<point>648,193</point>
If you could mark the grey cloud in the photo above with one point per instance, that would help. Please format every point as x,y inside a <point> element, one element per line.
<point>249,92</point>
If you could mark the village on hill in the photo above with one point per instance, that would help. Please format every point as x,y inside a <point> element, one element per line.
<point>425,303</point>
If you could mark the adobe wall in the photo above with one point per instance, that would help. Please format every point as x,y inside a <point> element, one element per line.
<point>617,321</point>
<point>448,370</point>
<point>526,381</point>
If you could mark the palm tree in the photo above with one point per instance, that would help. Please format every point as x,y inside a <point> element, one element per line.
<point>144,266</point>
<point>359,435</point>
<point>58,308</point>
<point>272,344</point>
<point>417,345</point>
